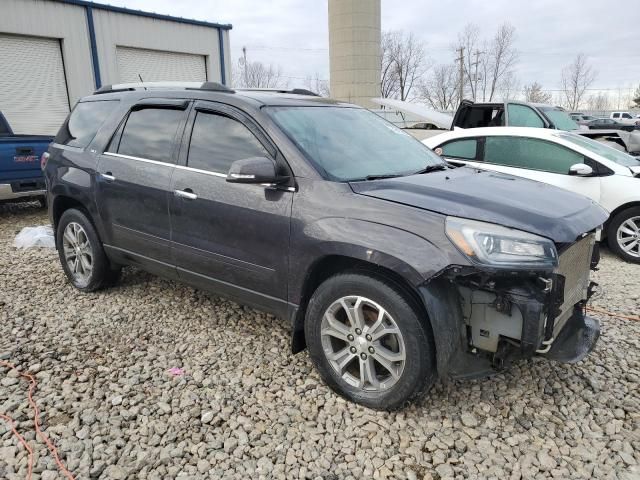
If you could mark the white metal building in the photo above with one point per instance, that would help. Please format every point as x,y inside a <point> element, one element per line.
<point>53,52</point>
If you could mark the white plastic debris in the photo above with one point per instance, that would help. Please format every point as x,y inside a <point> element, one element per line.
<point>30,237</point>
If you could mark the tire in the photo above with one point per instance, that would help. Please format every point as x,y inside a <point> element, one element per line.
<point>82,250</point>
<point>624,231</point>
<point>360,352</point>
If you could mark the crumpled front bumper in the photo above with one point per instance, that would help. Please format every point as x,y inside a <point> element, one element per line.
<point>576,340</point>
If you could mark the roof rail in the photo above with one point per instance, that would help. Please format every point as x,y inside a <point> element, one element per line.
<point>295,91</point>
<point>123,87</point>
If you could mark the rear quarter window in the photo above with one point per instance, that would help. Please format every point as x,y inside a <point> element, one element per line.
<point>466,149</point>
<point>84,122</point>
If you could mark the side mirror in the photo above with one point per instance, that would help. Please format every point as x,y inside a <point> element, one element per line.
<point>256,170</point>
<point>580,170</point>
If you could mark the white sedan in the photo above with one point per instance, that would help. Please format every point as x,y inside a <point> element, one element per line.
<point>608,176</point>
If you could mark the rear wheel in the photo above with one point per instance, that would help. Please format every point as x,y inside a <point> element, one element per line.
<point>623,234</point>
<point>81,254</point>
<point>369,341</point>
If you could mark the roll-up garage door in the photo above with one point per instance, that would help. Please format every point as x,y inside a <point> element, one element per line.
<point>33,88</point>
<point>158,66</point>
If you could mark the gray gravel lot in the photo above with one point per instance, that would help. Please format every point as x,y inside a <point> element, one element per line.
<point>247,408</point>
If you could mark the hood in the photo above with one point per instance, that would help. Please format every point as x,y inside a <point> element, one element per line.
<point>440,120</point>
<point>493,197</point>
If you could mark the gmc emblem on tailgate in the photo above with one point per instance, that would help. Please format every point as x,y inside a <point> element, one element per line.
<point>25,158</point>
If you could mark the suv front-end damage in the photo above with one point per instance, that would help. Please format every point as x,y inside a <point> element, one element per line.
<point>500,315</point>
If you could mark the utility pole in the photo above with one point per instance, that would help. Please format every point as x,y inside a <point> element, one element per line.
<point>244,64</point>
<point>461,74</point>
<point>475,76</point>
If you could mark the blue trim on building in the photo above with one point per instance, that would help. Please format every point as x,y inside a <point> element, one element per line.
<point>223,79</point>
<point>94,47</point>
<point>140,13</point>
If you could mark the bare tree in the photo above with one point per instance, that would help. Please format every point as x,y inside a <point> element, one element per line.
<point>599,101</point>
<point>533,92</point>
<point>388,79</point>
<point>317,85</point>
<point>502,59</point>
<point>258,75</point>
<point>489,64</point>
<point>469,39</point>
<point>440,89</point>
<point>403,63</point>
<point>509,86</point>
<point>576,78</point>
<point>636,97</point>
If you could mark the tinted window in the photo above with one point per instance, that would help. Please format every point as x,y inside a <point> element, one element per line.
<point>218,141</point>
<point>561,120</point>
<point>84,122</point>
<point>150,133</point>
<point>530,153</point>
<point>626,115</point>
<point>523,116</point>
<point>598,148</point>
<point>461,149</point>
<point>616,115</point>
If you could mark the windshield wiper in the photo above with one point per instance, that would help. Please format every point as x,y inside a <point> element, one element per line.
<point>431,168</point>
<point>388,175</point>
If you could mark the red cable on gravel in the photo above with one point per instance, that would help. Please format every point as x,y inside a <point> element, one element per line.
<point>611,314</point>
<point>12,426</point>
<point>36,423</point>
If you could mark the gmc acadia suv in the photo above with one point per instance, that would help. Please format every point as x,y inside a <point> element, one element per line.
<point>392,268</point>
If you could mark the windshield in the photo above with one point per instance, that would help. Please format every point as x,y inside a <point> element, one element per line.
<point>351,143</point>
<point>560,118</point>
<point>601,149</point>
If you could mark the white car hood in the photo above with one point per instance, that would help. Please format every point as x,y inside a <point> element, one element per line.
<point>440,120</point>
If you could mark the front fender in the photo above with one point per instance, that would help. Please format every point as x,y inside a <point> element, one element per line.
<point>407,254</point>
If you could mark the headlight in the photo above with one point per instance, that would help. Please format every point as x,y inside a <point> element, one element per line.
<point>498,246</point>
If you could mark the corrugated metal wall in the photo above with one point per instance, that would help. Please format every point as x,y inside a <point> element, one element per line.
<point>115,29</point>
<point>67,23</point>
<point>156,65</point>
<point>33,90</point>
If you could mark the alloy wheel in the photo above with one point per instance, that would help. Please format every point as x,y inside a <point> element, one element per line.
<point>363,343</point>
<point>628,236</point>
<point>77,252</point>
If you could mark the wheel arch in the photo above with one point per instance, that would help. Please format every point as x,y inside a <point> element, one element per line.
<point>330,265</point>
<point>615,212</point>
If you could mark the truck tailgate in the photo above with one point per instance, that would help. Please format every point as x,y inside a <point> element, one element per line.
<point>20,157</point>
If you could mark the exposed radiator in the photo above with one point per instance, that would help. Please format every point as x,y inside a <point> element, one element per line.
<point>575,266</point>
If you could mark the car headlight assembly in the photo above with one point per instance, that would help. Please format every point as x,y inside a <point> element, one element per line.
<point>498,246</point>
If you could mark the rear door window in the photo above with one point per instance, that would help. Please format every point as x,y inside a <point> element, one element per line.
<point>149,133</point>
<point>523,116</point>
<point>530,153</point>
<point>84,122</point>
<point>217,141</point>
<point>466,149</point>
<point>616,115</point>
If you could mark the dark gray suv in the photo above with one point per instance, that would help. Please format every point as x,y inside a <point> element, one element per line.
<point>392,267</point>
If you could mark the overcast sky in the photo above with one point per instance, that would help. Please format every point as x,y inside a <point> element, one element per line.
<point>293,33</point>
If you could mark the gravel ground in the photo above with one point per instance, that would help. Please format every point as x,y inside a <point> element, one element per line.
<point>246,408</point>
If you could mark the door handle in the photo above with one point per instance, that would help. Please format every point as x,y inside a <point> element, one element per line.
<point>186,194</point>
<point>107,176</point>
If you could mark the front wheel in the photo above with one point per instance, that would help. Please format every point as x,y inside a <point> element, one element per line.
<point>81,254</point>
<point>369,341</point>
<point>623,234</point>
